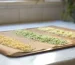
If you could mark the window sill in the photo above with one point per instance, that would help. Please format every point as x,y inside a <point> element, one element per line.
<point>29,2</point>
<point>18,2</point>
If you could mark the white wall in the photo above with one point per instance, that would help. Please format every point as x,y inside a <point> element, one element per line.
<point>22,12</point>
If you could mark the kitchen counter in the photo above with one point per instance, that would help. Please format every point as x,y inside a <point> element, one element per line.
<point>39,59</point>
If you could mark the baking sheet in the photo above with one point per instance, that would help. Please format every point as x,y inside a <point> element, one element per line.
<point>39,46</point>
